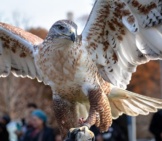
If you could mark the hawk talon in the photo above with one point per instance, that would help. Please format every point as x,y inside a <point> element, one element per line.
<point>81,121</point>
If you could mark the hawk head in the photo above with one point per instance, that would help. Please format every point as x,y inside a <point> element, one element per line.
<point>64,29</point>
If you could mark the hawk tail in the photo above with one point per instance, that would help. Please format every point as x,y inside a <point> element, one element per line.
<point>132,104</point>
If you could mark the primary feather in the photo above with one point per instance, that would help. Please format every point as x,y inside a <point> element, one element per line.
<point>122,35</point>
<point>122,101</point>
<point>17,49</point>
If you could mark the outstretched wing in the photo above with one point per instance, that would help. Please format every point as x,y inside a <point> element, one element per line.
<point>17,49</point>
<point>123,34</point>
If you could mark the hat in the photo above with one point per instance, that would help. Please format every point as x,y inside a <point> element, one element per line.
<point>40,114</point>
<point>6,118</point>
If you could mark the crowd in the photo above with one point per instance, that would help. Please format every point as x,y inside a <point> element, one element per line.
<point>32,128</point>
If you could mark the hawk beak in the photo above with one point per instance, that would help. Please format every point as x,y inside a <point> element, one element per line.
<point>72,37</point>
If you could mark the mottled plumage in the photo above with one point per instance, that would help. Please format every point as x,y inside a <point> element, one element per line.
<point>88,73</point>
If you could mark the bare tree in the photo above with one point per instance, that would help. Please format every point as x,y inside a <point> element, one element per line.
<point>21,20</point>
<point>17,19</point>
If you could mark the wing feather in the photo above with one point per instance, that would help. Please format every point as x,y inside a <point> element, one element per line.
<point>123,34</point>
<point>17,49</point>
<point>122,101</point>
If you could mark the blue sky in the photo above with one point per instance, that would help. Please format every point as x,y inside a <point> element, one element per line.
<point>44,13</point>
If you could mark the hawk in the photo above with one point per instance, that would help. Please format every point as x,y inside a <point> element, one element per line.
<point>88,73</point>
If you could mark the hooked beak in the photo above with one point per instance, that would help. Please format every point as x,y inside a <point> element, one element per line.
<point>72,37</point>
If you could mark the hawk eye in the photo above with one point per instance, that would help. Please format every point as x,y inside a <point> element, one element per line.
<point>60,27</point>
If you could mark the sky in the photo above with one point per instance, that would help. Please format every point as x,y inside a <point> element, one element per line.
<point>43,13</point>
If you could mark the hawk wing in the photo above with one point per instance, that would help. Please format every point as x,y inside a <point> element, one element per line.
<point>17,49</point>
<point>122,34</point>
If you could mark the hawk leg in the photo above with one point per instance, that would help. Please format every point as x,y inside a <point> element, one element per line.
<point>99,114</point>
<point>65,114</point>
<point>100,111</point>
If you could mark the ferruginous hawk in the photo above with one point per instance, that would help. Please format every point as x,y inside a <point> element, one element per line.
<point>88,74</point>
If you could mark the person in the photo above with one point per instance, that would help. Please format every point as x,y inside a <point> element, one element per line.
<point>26,123</point>
<point>4,135</point>
<point>28,118</point>
<point>114,133</point>
<point>39,130</point>
<point>156,126</point>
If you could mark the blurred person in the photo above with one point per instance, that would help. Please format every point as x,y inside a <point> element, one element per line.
<point>26,123</point>
<point>114,133</point>
<point>30,108</point>
<point>39,130</point>
<point>156,125</point>
<point>4,135</point>
<point>11,128</point>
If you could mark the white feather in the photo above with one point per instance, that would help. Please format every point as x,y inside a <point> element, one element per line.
<point>132,104</point>
<point>10,55</point>
<point>137,41</point>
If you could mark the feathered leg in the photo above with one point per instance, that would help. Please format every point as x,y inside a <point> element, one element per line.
<point>65,113</point>
<point>100,111</point>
